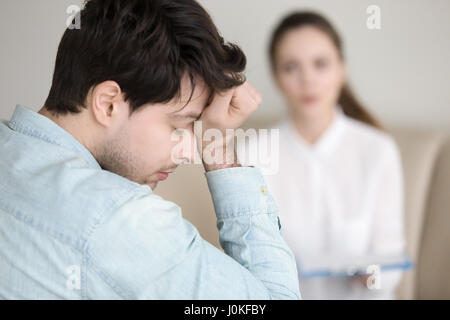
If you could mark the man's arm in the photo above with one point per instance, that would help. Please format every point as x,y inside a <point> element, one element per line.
<point>250,229</point>
<point>246,213</point>
<point>146,250</point>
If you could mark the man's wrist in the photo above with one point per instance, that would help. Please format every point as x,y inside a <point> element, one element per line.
<point>228,160</point>
<point>220,166</point>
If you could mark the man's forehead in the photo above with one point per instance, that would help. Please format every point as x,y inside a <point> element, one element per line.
<point>187,104</point>
<point>200,89</point>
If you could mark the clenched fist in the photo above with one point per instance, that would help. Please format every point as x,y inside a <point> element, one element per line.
<point>227,110</point>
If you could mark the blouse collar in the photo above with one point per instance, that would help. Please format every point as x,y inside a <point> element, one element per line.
<point>326,142</point>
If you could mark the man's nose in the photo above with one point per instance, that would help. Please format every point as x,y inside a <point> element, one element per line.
<point>188,152</point>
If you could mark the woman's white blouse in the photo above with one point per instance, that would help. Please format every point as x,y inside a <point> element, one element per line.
<point>340,197</point>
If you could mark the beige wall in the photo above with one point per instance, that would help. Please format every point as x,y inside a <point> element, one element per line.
<point>29,35</point>
<point>401,72</point>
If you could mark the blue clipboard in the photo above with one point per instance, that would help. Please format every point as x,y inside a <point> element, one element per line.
<point>350,270</point>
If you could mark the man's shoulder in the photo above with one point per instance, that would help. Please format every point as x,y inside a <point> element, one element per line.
<point>139,242</point>
<point>94,197</point>
<point>58,189</point>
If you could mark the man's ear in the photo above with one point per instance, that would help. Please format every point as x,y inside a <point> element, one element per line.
<point>106,100</point>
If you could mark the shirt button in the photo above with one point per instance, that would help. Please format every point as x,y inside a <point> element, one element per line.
<point>264,190</point>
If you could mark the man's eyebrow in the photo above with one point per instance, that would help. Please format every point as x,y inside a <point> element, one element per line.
<point>192,114</point>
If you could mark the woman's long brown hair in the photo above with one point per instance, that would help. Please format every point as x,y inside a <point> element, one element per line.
<point>348,101</point>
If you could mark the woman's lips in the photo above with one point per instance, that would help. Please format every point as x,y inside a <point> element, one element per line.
<point>309,99</point>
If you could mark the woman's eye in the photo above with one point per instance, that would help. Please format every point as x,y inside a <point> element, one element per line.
<point>289,68</point>
<point>321,64</point>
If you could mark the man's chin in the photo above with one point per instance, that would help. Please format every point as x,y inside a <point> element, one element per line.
<point>152,185</point>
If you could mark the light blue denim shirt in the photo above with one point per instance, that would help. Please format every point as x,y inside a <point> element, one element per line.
<point>70,230</point>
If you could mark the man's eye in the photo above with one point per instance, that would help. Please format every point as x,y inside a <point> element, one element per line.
<point>180,131</point>
<point>190,125</point>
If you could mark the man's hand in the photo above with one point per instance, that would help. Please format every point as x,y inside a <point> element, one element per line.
<point>228,110</point>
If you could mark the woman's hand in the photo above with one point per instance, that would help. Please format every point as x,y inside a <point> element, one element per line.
<point>362,280</point>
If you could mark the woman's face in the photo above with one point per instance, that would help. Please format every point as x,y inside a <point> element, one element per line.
<point>309,71</point>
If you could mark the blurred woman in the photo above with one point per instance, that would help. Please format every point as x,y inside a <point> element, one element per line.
<point>339,184</point>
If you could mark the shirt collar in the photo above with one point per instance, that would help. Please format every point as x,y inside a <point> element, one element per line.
<point>33,124</point>
<point>327,141</point>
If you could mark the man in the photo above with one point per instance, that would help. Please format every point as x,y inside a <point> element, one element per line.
<point>78,218</point>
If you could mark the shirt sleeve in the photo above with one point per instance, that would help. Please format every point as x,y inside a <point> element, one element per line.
<point>388,224</point>
<point>146,250</point>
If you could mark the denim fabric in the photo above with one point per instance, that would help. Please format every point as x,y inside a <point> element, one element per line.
<point>70,230</point>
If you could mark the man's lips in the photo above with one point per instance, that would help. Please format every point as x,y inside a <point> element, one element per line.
<point>163,175</point>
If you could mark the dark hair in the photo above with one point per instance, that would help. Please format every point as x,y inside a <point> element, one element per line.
<point>350,104</point>
<point>145,46</point>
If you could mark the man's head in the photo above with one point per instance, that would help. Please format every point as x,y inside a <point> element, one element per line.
<point>136,71</point>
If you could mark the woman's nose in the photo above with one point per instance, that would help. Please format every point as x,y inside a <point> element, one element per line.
<point>307,78</point>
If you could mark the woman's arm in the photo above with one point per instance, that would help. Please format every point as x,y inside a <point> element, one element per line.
<point>388,216</point>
